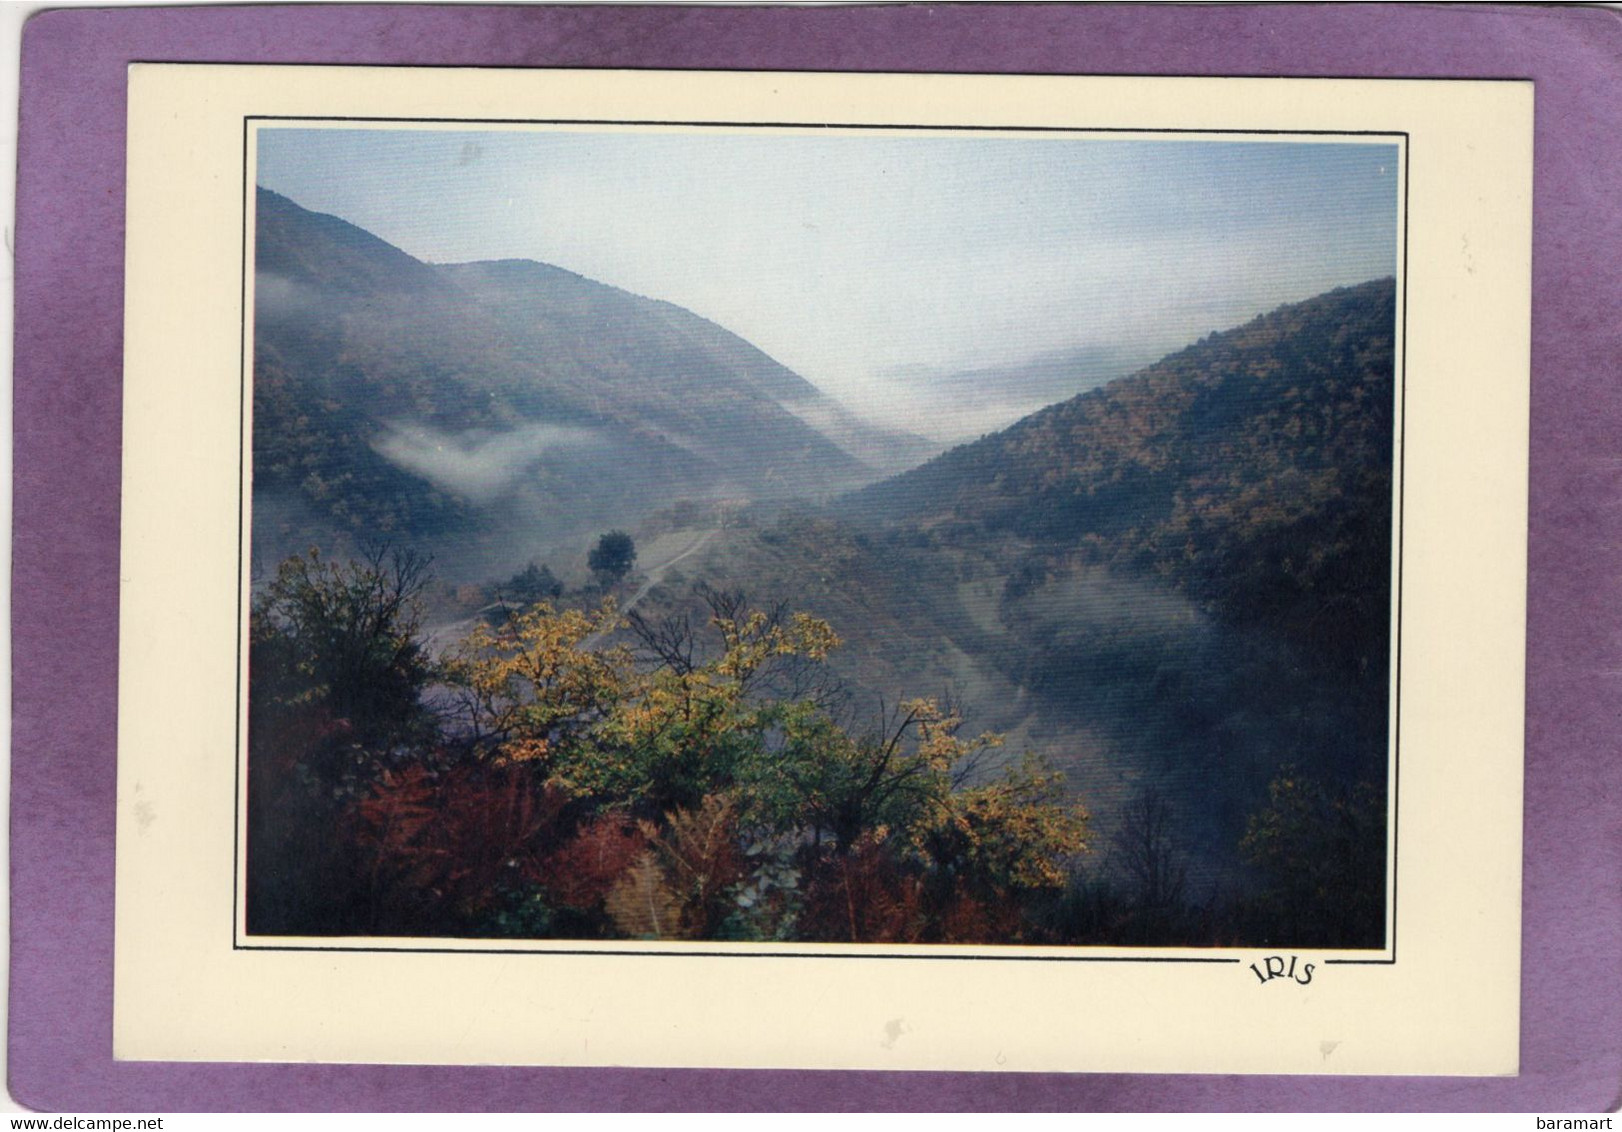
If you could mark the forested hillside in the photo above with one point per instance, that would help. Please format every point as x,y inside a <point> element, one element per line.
<point>449,406</point>
<point>1250,471</point>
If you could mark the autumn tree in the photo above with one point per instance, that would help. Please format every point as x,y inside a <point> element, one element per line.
<point>924,843</point>
<point>336,675</point>
<point>1010,834</point>
<point>826,779</point>
<point>346,636</point>
<point>699,721</point>
<point>538,688</point>
<point>682,643</point>
<point>1320,850</point>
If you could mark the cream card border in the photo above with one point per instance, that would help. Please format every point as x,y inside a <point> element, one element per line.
<point>1447,1000</point>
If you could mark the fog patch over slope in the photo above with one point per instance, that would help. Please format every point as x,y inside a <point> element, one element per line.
<point>278,297</point>
<point>478,465</point>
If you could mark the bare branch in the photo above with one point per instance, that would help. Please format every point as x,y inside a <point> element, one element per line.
<point>670,641</point>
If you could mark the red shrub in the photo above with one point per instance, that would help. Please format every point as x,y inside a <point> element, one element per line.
<point>864,896</point>
<point>455,834</point>
<point>580,874</point>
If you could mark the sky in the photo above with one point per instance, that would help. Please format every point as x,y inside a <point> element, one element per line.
<point>853,257</point>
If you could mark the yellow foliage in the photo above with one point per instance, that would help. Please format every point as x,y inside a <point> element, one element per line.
<point>938,744</point>
<point>537,679</point>
<point>525,750</point>
<point>691,742</point>
<point>1016,831</point>
<point>642,904</point>
<point>751,642</point>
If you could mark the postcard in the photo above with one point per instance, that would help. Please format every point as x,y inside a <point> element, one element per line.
<point>837,571</point>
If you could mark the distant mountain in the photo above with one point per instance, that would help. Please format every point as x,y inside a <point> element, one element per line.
<point>396,398</point>
<point>1250,471</point>
<point>969,403</point>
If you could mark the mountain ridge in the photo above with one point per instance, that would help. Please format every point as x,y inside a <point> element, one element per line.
<point>374,371</point>
<point>1251,470</point>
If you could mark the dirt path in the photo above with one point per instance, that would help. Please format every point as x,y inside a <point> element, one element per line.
<point>657,574</point>
<point>654,577</point>
<point>441,637</point>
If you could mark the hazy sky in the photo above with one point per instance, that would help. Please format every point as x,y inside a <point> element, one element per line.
<point>847,256</point>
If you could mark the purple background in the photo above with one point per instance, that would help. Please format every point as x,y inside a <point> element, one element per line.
<point>69,293</point>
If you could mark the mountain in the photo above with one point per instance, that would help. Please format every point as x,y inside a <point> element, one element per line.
<point>473,404</point>
<point>709,388</point>
<point>1250,471</point>
<point>972,402</point>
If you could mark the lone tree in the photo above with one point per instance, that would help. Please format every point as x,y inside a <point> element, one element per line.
<point>613,557</point>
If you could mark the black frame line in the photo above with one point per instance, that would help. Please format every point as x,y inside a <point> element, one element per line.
<point>810,125</point>
<point>245,381</point>
<point>1396,596</point>
<point>744,954</point>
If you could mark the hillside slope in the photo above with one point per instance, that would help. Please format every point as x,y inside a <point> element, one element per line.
<point>1177,583</point>
<point>394,398</point>
<point>1250,471</point>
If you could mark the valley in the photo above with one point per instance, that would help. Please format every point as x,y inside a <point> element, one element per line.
<point>1169,582</point>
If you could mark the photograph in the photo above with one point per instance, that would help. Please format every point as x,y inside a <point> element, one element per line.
<point>1022,574</point>
<point>796,537</point>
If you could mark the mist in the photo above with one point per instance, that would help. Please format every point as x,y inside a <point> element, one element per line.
<point>477,465</point>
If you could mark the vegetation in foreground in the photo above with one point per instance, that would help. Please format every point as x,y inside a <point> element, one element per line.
<point>705,781</point>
